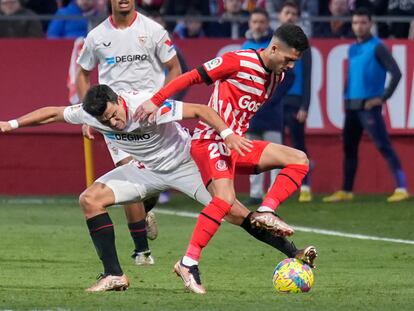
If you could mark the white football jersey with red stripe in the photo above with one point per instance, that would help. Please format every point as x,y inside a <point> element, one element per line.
<point>159,147</point>
<point>131,58</point>
<point>242,85</point>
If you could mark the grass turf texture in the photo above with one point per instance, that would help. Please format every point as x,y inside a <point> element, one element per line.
<point>47,259</point>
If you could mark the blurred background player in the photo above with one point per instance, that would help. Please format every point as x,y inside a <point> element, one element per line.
<point>297,100</point>
<point>369,62</point>
<point>132,52</point>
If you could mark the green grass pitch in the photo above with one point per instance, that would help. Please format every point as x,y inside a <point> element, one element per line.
<point>47,260</point>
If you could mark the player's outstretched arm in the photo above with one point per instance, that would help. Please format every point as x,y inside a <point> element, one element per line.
<point>150,107</point>
<point>209,116</point>
<point>38,117</point>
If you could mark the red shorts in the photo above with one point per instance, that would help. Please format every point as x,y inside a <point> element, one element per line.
<point>215,160</point>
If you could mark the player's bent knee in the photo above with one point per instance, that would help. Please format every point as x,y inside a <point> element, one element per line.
<point>301,158</point>
<point>88,202</point>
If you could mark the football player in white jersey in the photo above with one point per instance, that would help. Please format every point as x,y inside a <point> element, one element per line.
<point>162,150</point>
<point>132,52</point>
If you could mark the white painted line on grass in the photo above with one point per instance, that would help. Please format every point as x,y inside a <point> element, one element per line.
<point>301,229</point>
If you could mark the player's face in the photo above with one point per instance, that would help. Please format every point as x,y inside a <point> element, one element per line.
<point>122,6</point>
<point>114,116</point>
<point>282,58</point>
<point>361,25</point>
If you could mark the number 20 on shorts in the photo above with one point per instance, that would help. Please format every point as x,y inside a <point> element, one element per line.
<point>218,148</point>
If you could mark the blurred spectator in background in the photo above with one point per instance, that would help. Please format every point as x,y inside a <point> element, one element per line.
<point>378,8</point>
<point>61,28</point>
<point>297,100</point>
<point>180,8</point>
<point>229,25</point>
<point>18,28</point>
<point>42,7</point>
<point>335,28</point>
<point>369,61</point>
<point>192,27</point>
<point>267,123</point>
<point>250,5</point>
<point>307,8</point>
<point>259,33</point>
<point>400,8</point>
<point>217,6</point>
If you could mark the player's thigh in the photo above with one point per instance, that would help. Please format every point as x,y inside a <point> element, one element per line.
<point>131,183</point>
<point>216,165</point>
<point>118,156</point>
<point>278,156</point>
<point>186,179</point>
<point>248,164</point>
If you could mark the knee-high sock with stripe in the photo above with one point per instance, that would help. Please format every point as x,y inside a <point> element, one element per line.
<point>286,183</point>
<point>102,233</point>
<point>208,223</point>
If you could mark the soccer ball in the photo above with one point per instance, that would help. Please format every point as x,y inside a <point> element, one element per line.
<point>292,276</point>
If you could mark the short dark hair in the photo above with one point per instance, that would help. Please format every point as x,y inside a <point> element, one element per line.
<point>293,36</point>
<point>289,3</point>
<point>361,11</point>
<point>260,11</point>
<point>97,98</point>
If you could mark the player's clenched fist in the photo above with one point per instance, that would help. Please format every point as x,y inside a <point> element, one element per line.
<point>5,127</point>
<point>238,143</point>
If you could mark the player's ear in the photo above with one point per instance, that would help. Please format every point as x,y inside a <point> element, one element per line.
<point>274,48</point>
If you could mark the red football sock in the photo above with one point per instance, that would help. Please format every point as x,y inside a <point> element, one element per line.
<point>287,182</point>
<point>208,223</point>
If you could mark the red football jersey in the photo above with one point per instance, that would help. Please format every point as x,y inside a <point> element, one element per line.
<point>242,85</point>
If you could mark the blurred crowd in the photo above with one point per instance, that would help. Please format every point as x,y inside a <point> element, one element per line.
<point>17,18</point>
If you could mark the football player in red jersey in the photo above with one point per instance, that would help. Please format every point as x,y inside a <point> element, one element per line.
<point>244,80</point>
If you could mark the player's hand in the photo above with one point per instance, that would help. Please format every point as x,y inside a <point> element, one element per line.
<point>148,110</point>
<point>371,103</point>
<point>238,143</point>
<point>87,132</point>
<point>5,127</point>
<point>302,116</point>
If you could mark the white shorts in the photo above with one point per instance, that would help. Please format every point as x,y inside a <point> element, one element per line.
<point>131,182</point>
<point>117,154</point>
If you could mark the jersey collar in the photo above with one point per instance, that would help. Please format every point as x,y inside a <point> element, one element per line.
<point>261,60</point>
<point>111,20</point>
